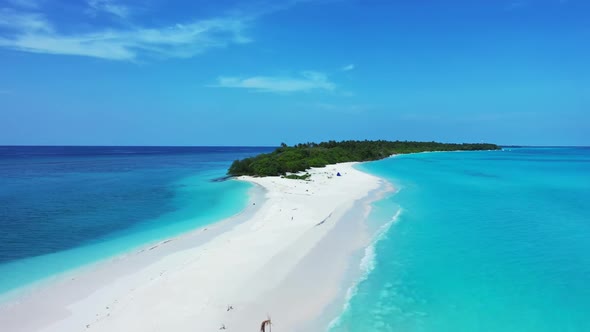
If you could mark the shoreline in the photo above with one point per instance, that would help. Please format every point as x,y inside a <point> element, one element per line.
<point>259,262</point>
<point>256,193</point>
<point>112,247</point>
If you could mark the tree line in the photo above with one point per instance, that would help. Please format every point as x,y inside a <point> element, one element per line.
<point>300,157</point>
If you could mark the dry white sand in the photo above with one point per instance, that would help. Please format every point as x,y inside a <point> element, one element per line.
<point>286,256</point>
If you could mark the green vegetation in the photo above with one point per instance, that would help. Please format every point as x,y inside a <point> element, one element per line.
<point>298,158</point>
<point>297,177</point>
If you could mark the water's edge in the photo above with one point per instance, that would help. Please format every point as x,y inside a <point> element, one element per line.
<point>255,195</point>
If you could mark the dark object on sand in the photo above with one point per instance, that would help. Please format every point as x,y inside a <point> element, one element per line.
<point>338,174</point>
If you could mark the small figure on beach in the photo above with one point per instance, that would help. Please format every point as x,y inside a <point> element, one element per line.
<point>222,327</point>
<point>265,324</point>
<point>338,174</point>
<point>229,307</point>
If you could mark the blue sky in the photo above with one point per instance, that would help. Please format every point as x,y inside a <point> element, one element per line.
<point>121,72</point>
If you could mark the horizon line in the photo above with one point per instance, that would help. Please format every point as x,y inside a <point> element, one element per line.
<point>271,146</point>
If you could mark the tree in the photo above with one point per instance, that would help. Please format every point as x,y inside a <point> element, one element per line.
<point>303,156</point>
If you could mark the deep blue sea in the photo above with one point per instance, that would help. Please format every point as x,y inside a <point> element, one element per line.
<point>485,241</point>
<point>64,207</point>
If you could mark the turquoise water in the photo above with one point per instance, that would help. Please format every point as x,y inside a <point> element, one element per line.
<point>64,207</point>
<point>484,241</point>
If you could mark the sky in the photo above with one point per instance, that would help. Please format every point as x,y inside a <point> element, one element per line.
<point>261,72</point>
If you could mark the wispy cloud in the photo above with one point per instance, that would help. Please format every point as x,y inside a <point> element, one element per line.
<point>30,22</point>
<point>109,7</point>
<point>26,28</point>
<point>348,67</point>
<point>32,32</point>
<point>306,81</point>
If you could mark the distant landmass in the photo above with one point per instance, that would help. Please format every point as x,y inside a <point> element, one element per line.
<point>292,159</point>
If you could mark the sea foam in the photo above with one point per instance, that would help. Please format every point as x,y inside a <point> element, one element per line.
<point>366,265</point>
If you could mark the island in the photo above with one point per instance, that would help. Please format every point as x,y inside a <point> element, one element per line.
<point>298,158</point>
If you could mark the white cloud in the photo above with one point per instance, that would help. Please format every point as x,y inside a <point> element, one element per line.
<point>306,81</point>
<point>348,67</point>
<point>30,22</point>
<point>29,30</point>
<point>33,33</point>
<point>110,7</point>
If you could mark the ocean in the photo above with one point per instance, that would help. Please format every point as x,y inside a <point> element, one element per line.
<point>64,207</point>
<point>470,241</point>
<point>480,241</point>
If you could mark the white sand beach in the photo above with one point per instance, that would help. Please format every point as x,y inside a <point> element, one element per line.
<point>287,257</point>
